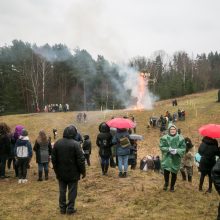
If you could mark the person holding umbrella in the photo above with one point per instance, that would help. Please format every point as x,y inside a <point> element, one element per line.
<point>121,139</point>
<point>208,150</point>
<point>173,147</point>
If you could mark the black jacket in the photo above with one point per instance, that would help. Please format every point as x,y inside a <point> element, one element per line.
<point>216,176</point>
<point>67,157</point>
<point>5,145</point>
<point>87,146</point>
<point>43,151</point>
<point>208,150</point>
<point>104,142</point>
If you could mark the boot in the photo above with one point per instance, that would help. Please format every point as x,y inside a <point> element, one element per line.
<point>103,169</point>
<point>40,173</point>
<point>200,187</point>
<point>120,174</point>
<point>165,186</point>
<point>46,174</point>
<point>106,169</point>
<point>189,179</point>
<point>183,175</point>
<point>125,174</point>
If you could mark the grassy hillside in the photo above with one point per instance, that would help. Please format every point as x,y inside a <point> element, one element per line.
<point>140,196</point>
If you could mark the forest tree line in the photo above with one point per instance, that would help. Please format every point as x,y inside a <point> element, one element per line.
<point>33,76</point>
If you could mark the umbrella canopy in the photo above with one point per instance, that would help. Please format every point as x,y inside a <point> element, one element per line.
<point>136,137</point>
<point>120,123</point>
<point>210,130</point>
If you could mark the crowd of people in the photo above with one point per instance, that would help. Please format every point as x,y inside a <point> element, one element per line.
<point>56,108</point>
<point>70,154</point>
<point>81,117</point>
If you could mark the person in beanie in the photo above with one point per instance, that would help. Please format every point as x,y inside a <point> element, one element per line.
<point>69,164</point>
<point>23,152</point>
<point>43,151</point>
<point>208,150</point>
<point>104,142</point>
<point>187,161</point>
<point>173,147</point>
<point>87,147</point>
<point>14,138</point>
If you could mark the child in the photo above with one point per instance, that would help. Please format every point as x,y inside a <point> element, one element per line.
<point>132,159</point>
<point>157,164</point>
<point>23,152</point>
<point>187,161</point>
<point>43,151</point>
<point>87,147</point>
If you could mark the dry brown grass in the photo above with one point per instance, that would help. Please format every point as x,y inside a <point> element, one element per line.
<point>140,196</point>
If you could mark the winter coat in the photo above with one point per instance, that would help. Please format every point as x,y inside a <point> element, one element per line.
<point>67,157</point>
<point>169,161</point>
<point>104,142</point>
<point>87,146</point>
<point>43,151</point>
<point>121,151</point>
<point>216,176</point>
<point>208,150</point>
<point>5,145</point>
<point>23,148</point>
<point>188,158</point>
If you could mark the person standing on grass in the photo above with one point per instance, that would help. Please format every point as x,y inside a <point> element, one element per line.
<point>23,152</point>
<point>188,161</point>
<point>123,146</point>
<point>208,150</point>
<point>69,164</point>
<point>173,147</point>
<point>43,151</point>
<point>104,142</point>
<point>5,147</point>
<point>87,148</point>
<point>216,179</point>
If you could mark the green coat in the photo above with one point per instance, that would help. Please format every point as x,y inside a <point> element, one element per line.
<point>172,162</point>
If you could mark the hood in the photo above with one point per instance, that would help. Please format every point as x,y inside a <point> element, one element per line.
<point>210,141</point>
<point>172,125</point>
<point>18,130</point>
<point>24,138</point>
<point>86,137</point>
<point>104,128</point>
<point>70,132</point>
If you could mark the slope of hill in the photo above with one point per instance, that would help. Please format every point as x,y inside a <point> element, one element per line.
<point>140,196</point>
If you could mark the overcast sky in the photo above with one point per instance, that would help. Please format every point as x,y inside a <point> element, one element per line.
<point>117,29</point>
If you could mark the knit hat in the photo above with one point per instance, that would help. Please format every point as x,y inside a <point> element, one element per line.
<point>24,133</point>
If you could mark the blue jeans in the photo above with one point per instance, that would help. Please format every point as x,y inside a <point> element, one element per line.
<point>105,160</point>
<point>123,160</point>
<point>42,166</point>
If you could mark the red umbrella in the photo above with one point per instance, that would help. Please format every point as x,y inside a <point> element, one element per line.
<point>120,123</point>
<point>210,130</point>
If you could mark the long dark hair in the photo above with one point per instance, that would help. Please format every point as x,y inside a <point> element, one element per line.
<point>4,129</point>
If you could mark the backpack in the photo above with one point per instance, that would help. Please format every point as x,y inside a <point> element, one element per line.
<point>124,142</point>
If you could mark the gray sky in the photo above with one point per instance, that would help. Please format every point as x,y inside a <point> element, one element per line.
<point>117,29</point>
